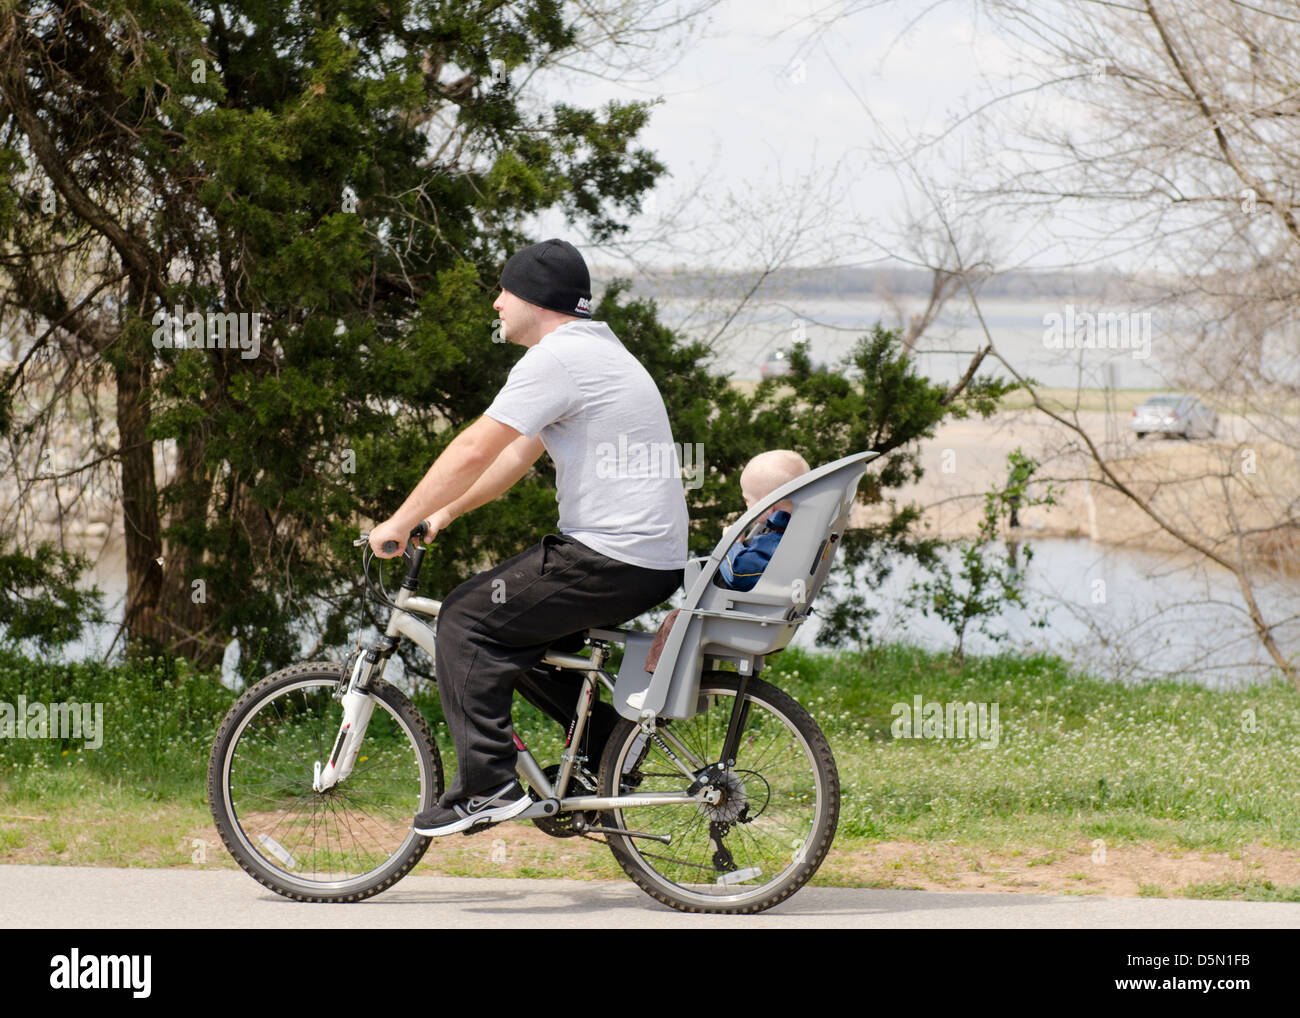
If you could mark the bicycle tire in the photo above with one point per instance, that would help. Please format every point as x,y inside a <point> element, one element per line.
<point>260,786</point>
<point>770,802</point>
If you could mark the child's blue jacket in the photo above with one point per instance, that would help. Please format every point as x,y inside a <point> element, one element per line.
<point>746,560</point>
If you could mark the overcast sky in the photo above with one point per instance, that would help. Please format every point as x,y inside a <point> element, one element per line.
<point>776,100</point>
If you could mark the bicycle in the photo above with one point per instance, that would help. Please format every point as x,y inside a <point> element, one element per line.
<point>726,806</point>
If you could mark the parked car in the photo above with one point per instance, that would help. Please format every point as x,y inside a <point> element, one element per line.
<point>778,365</point>
<point>1175,414</point>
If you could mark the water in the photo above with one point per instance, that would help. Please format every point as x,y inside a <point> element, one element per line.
<point>831,327</point>
<point>1118,612</point>
<point>108,573</point>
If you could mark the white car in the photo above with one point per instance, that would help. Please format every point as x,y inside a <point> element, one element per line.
<point>778,365</point>
<point>1177,414</point>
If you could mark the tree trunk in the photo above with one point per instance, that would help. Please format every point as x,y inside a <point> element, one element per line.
<point>190,616</point>
<point>139,503</point>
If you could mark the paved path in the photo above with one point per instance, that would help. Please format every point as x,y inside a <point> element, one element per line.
<point>94,897</point>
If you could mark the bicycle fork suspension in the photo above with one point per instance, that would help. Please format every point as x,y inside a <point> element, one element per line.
<point>358,706</point>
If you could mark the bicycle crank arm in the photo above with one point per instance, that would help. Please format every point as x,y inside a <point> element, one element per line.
<point>544,808</point>
<point>357,708</point>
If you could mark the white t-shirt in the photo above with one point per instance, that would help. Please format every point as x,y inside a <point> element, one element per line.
<point>600,416</point>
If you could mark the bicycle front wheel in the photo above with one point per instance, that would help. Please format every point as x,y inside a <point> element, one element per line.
<point>766,835</point>
<point>348,842</point>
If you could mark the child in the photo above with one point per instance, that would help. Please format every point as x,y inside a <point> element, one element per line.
<point>746,560</point>
<point>762,475</point>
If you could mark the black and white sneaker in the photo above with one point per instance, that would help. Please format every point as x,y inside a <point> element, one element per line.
<point>507,801</point>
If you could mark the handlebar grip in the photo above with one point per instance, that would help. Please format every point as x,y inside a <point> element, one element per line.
<point>389,547</point>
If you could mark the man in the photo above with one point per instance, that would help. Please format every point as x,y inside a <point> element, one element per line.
<point>622,542</point>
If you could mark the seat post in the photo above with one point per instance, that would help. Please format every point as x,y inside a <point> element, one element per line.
<point>736,726</point>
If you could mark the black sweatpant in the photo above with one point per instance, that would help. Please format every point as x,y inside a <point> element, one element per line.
<point>497,626</point>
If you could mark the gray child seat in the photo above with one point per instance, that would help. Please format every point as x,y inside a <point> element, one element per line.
<point>743,626</point>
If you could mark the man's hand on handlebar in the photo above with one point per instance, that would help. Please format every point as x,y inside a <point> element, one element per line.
<point>388,540</point>
<point>439,521</point>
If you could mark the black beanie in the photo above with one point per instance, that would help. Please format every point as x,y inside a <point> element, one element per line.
<point>551,275</point>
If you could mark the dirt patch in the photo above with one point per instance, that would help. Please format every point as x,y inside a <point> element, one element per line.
<point>171,838</point>
<point>516,849</point>
<point>519,850</point>
<point>1115,871</point>
<point>1185,480</point>
<point>512,849</point>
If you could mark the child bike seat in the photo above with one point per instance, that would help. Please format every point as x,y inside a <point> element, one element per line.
<point>743,626</point>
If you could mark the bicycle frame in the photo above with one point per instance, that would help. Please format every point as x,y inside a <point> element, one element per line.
<point>405,621</point>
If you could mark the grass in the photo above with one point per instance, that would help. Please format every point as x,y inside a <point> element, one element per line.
<point>1166,762</point>
<point>1262,890</point>
<point>1088,779</point>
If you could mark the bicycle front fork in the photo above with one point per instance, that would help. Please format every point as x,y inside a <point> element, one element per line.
<point>358,705</point>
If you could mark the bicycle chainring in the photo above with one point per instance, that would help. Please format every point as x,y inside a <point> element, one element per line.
<point>562,824</point>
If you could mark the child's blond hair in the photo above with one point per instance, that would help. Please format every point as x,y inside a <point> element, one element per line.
<point>768,471</point>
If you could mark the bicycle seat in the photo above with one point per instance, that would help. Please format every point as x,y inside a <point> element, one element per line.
<point>744,626</point>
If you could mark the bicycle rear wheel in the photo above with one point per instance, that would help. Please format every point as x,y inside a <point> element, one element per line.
<point>771,829</point>
<point>348,842</point>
